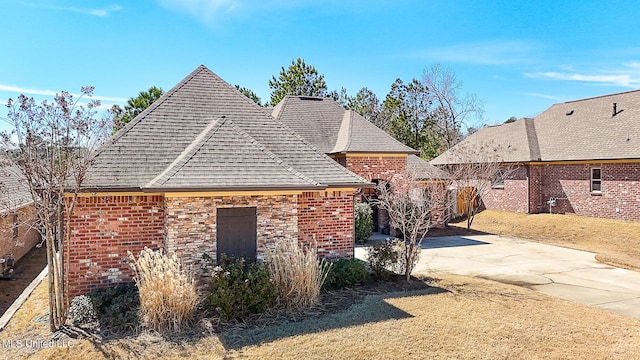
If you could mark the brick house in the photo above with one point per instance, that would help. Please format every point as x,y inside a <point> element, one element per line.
<point>353,142</point>
<point>18,232</point>
<point>205,170</point>
<point>580,157</point>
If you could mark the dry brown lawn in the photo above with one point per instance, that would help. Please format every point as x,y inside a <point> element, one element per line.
<point>615,242</point>
<point>472,319</point>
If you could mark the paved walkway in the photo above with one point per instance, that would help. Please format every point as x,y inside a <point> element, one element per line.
<point>564,273</point>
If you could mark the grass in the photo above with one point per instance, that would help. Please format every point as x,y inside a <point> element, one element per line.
<point>168,295</point>
<point>472,319</point>
<point>615,242</point>
<point>297,274</point>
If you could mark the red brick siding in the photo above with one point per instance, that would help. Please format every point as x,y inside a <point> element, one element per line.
<point>536,203</point>
<point>191,223</point>
<point>375,167</point>
<point>619,199</point>
<point>28,236</point>
<point>515,194</point>
<point>103,229</point>
<point>325,220</point>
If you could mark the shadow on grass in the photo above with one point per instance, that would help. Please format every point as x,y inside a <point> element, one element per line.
<point>372,309</point>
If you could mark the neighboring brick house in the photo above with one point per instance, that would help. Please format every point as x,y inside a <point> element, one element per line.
<point>580,157</point>
<point>18,221</point>
<point>353,142</point>
<point>205,170</point>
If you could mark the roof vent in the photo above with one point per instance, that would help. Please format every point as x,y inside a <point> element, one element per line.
<point>570,112</point>
<point>615,110</point>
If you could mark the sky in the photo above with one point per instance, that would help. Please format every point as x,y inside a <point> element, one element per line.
<point>517,57</point>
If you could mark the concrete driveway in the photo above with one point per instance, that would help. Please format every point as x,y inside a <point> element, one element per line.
<point>564,273</point>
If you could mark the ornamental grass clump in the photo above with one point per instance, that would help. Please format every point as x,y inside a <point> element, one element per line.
<point>297,274</point>
<point>168,296</point>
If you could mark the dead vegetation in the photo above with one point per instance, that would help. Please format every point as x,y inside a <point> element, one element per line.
<point>615,242</point>
<point>458,317</point>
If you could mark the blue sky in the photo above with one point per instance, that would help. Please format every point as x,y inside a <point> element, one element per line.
<point>518,57</point>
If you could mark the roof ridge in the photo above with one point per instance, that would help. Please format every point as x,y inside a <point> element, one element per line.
<point>602,96</point>
<point>158,102</point>
<point>343,140</point>
<point>532,137</point>
<point>188,152</point>
<point>273,156</point>
<point>315,149</point>
<point>125,129</point>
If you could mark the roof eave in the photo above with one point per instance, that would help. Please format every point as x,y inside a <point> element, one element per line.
<point>352,185</point>
<point>233,188</point>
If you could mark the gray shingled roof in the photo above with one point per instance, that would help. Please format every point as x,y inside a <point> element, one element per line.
<point>204,134</point>
<point>584,129</point>
<point>513,142</point>
<point>14,190</point>
<point>331,129</point>
<point>423,170</point>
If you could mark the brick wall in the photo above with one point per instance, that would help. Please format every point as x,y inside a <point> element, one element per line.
<point>619,199</point>
<point>515,194</point>
<point>536,202</point>
<point>103,228</point>
<point>375,167</point>
<point>18,243</point>
<point>191,223</point>
<point>326,220</point>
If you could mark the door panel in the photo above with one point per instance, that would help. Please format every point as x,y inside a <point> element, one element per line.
<point>237,233</point>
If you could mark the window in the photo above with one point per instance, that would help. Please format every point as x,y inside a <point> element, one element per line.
<point>497,180</point>
<point>596,180</point>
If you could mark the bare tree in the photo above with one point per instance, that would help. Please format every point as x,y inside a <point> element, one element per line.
<point>52,143</point>
<point>475,170</point>
<point>411,205</point>
<point>450,110</point>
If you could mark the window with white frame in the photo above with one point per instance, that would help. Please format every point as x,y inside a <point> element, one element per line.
<point>596,180</point>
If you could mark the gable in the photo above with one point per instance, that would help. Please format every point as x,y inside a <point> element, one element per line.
<point>332,129</point>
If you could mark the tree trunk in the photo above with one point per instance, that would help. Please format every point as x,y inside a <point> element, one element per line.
<point>408,262</point>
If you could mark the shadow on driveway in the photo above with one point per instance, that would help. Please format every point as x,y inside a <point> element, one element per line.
<point>453,241</point>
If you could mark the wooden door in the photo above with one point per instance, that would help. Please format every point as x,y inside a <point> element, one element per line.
<point>237,233</point>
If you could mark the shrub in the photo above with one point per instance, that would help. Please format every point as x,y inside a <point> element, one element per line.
<point>117,307</point>
<point>238,289</point>
<point>384,256</point>
<point>168,296</point>
<point>363,222</point>
<point>346,272</point>
<point>297,274</point>
<point>81,310</point>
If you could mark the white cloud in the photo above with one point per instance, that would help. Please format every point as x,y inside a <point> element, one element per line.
<point>626,76</point>
<point>484,52</point>
<point>203,10</point>
<point>100,12</point>
<point>543,96</point>
<point>20,90</point>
